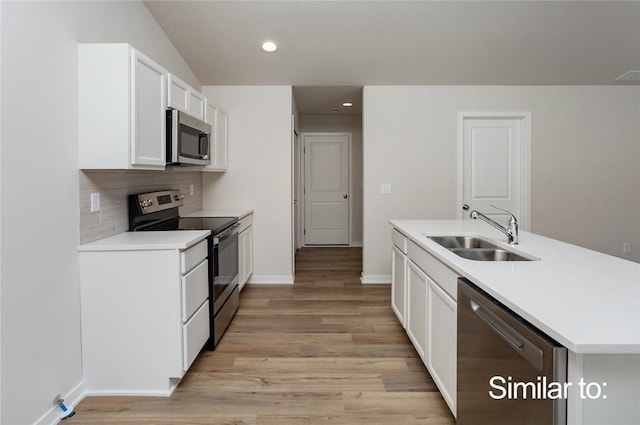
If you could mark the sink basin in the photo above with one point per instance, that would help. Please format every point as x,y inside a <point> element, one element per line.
<point>478,249</point>
<point>466,242</point>
<point>488,254</point>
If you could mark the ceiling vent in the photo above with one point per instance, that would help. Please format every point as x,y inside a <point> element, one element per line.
<point>630,76</point>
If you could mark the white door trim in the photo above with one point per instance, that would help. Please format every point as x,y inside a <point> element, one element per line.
<point>525,117</point>
<point>303,174</point>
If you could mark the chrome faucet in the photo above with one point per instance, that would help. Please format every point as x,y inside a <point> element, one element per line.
<point>512,227</point>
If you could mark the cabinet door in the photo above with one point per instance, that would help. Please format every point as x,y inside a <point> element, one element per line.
<point>248,253</point>
<point>178,94</point>
<point>417,308</point>
<point>398,292</point>
<point>210,118</point>
<point>245,256</point>
<point>196,104</point>
<point>442,341</point>
<point>148,100</point>
<point>219,138</point>
<point>221,142</point>
<point>242,237</point>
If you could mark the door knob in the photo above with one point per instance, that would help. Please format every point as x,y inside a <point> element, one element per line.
<point>345,196</point>
<point>465,207</point>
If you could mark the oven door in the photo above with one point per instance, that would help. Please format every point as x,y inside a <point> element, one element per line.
<point>225,265</point>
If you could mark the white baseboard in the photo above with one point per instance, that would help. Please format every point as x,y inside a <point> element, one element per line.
<point>129,393</point>
<point>271,280</point>
<point>71,400</point>
<point>376,279</point>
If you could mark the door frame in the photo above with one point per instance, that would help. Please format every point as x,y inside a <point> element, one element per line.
<point>302,186</point>
<point>525,172</point>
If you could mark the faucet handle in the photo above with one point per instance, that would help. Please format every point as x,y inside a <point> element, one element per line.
<point>512,217</point>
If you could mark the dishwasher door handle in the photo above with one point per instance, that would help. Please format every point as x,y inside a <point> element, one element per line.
<point>525,347</point>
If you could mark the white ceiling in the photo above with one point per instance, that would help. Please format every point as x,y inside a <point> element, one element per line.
<point>356,43</point>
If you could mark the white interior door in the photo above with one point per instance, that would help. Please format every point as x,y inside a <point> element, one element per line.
<point>326,189</point>
<point>495,166</point>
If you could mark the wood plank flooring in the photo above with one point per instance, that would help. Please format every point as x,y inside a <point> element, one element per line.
<point>326,350</point>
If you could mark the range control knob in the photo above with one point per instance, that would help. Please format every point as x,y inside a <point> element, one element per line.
<point>179,197</point>
<point>146,203</point>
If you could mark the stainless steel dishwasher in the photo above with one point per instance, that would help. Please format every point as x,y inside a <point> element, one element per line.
<point>506,366</point>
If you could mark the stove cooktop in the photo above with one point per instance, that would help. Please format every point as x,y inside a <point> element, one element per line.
<point>215,224</point>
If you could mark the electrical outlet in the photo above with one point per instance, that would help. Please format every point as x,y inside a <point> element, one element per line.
<point>95,202</point>
<point>385,188</point>
<point>626,248</point>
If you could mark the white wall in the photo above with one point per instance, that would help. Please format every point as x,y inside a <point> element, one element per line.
<point>40,311</point>
<point>348,124</point>
<point>585,155</point>
<point>259,174</point>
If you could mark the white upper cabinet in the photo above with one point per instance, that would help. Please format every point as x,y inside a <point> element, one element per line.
<point>196,104</point>
<point>177,94</point>
<point>219,121</point>
<point>121,108</point>
<point>185,98</point>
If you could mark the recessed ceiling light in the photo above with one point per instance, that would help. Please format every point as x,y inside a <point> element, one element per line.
<point>269,46</point>
<point>347,104</point>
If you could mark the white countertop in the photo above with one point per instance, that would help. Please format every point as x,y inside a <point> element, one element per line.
<point>587,301</point>
<point>135,241</point>
<point>221,212</point>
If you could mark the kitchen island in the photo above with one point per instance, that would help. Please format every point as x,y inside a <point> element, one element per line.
<point>587,301</point>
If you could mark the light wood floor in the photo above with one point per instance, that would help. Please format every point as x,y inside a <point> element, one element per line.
<point>326,350</point>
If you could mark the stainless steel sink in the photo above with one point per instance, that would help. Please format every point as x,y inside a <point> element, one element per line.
<point>466,242</point>
<point>478,249</point>
<point>488,254</point>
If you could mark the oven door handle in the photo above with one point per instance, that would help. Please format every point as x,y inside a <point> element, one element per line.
<point>226,234</point>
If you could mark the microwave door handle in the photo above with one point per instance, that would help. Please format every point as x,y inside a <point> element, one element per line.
<point>175,134</point>
<point>204,145</point>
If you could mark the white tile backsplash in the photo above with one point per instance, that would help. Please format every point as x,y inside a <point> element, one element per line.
<point>115,186</point>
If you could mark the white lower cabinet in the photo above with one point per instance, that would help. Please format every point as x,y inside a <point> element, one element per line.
<point>398,290</point>
<point>145,318</point>
<point>441,355</point>
<point>245,250</point>
<point>417,308</point>
<point>430,313</point>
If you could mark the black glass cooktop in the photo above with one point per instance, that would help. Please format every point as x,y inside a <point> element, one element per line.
<point>215,224</point>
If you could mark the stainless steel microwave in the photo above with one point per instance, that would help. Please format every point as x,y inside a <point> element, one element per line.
<point>187,139</point>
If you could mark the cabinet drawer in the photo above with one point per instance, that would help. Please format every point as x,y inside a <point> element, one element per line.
<point>193,256</point>
<point>399,240</point>
<point>194,335</point>
<point>441,274</point>
<point>195,289</point>
<point>245,223</point>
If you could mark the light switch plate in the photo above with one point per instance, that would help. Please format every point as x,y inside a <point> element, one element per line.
<point>385,188</point>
